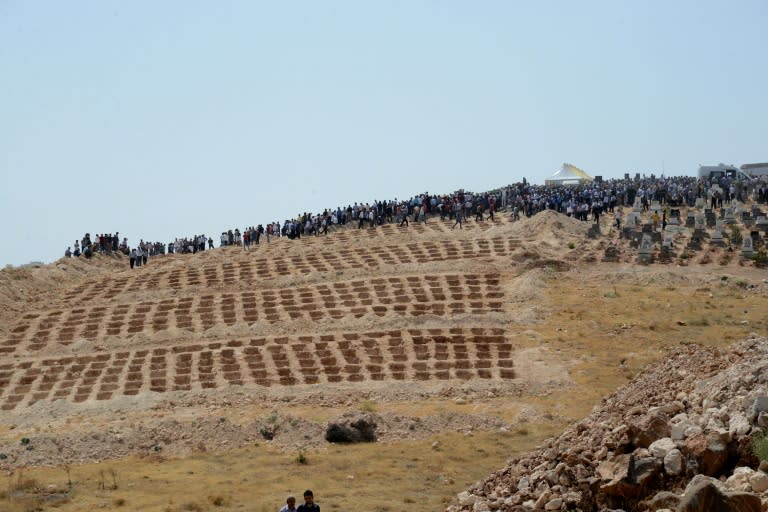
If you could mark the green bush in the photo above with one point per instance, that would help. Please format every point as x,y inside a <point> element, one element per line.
<point>760,446</point>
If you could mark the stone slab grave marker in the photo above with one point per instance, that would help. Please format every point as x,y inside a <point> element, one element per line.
<point>645,251</point>
<point>700,203</point>
<point>690,219</point>
<point>747,250</point>
<point>674,217</point>
<point>717,238</point>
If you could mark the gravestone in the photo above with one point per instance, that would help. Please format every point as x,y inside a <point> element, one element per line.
<point>729,217</point>
<point>656,207</point>
<point>747,219</point>
<point>611,254</point>
<point>690,219</point>
<point>757,242</point>
<point>667,249</point>
<point>717,238</point>
<point>633,219</point>
<point>700,203</point>
<point>645,252</point>
<point>747,250</point>
<point>710,216</point>
<point>593,231</point>
<point>674,217</point>
<point>699,224</point>
<point>761,223</point>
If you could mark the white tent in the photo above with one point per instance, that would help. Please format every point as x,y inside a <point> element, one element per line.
<point>568,175</point>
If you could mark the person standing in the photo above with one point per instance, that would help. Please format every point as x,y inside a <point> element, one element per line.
<point>133,257</point>
<point>309,504</point>
<point>290,505</point>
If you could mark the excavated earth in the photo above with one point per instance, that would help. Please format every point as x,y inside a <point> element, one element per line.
<point>203,352</point>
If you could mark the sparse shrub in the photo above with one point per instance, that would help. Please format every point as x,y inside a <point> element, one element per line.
<point>367,406</point>
<point>571,245</point>
<point>119,502</point>
<point>736,237</point>
<point>191,507</point>
<point>761,258</point>
<point>301,458</point>
<point>218,500</point>
<point>760,446</point>
<point>267,433</point>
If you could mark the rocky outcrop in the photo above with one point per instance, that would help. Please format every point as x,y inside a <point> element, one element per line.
<point>352,429</point>
<point>663,442</point>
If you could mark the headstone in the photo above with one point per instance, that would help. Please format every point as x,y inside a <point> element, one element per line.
<point>690,220</point>
<point>674,217</point>
<point>699,223</point>
<point>717,238</point>
<point>747,250</point>
<point>700,203</point>
<point>647,228</point>
<point>656,207</point>
<point>633,219</point>
<point>637,206</point>
<point>594,231</point>
<point>747,219</point>
<point>645,252</point>
<point>667,249</point>
<point>762,223</point>
<point>757,242</point>
<point>711,217</point>
<point>611,254</point>
<point>730,216</point>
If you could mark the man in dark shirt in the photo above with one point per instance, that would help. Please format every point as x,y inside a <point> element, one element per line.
<point>309,504</point>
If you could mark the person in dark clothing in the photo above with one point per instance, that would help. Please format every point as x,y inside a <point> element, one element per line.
<point>309,504</point>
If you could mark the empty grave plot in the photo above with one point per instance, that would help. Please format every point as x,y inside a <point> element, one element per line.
<point>439,295</point>
<point>412,354</point>
<point>328,257</point>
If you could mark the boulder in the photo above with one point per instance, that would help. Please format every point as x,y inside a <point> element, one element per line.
<point>704,495</point>
<point>673,462</point>
<point>649,429</point>
<point>709,452</point>
<point>627,476</point>
<point>355,429</point>
<point>661,447</point>
<point>756,406</point>
<point>758,481</point>
<point>738,425</point>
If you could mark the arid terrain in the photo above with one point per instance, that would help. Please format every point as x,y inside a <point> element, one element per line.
<point>207,381</point>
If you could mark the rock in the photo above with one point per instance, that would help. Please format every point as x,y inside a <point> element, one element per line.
<point>705,496</point>
<point>739,425</point>
<point>756,406</point>
<point>627,476</point>
<point>762,419</point>
<point>758,481</point>
<point>663,500</point>
<point>554,504</point>
<point>661,447</point>
<point>673,462</point>
<point>466,499</point>
<point>710,453</point>
<point>355,429</point>
<point>739,480</point>
<point>649,429</point>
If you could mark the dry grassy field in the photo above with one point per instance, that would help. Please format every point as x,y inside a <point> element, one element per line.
<point>205,382</point>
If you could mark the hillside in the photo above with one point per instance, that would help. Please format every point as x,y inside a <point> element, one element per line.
<point>496,335</point>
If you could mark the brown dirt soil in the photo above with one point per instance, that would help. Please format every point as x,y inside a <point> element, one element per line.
<point>205,382</point>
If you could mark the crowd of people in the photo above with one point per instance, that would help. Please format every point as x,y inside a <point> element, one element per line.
<point>585,201</point>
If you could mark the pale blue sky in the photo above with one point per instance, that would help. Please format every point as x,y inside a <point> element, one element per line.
<point>170,118</point>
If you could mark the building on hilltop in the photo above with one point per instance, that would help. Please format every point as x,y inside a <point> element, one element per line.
<point>568,175</point>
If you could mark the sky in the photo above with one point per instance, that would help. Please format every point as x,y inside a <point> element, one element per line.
<point>174,118</point>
